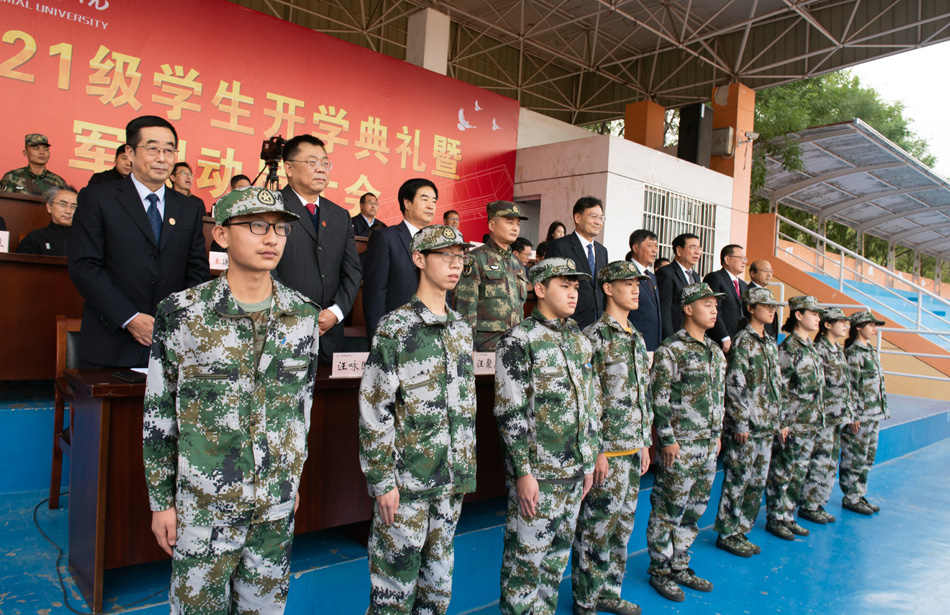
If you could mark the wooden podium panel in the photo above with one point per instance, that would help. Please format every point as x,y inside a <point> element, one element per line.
<point>22,214</point>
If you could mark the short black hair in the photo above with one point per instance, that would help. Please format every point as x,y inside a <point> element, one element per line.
<point>179,165</point>
<point>121,149</point>
<point>409,188</point>
<point>237,178</point>
<point>445,216</point>
<point>517,245</point>
<point>292,147</point>
<point>640,235</point>
<point>133,130</point>
<point>367,194</point>
<point>727,251</point>
<point>525,242</point>
<point>660,261</point>
<point>680,240</point>
<point>586,202</point>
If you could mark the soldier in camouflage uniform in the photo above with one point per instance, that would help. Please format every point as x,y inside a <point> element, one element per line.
<point>753,409</point>
<point>417,434</point>
<point>34,178</point>
<point>227,411</point>
<point>803,416</point>
<point>599,559</point>
<point>839,411</point>
<point>859,448</point>
<point>493,288</point>
<point>687,385</point>
<point>546,407</point>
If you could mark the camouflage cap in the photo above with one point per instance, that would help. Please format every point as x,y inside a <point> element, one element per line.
<point>759,296</point>
<point>504,209</point>
<point>250,200</point>
<point>833,314</point>
<point>863,318</point>
<point>619,270</point>
<point>553,268</point>
<point>435,237</point>
<point>695,292</point>
<point>805,302</point>
<point>35,138</point>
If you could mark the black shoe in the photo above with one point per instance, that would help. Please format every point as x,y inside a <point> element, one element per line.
<point>752,546</point>
<point>796,529</point>
<point>582,610</point>
<point>829,518</point>
<point>689,579</point>
<point>666,587</point>
<point>619,607</point>
<point>859,507</point>
<point>734,545</point>
<point>873,507</point>
<point>814,516</point>
<point>778,528</point>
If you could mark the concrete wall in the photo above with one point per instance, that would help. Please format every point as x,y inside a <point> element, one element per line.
<point>538,129</point>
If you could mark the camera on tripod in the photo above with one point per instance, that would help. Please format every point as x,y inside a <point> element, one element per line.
<point>272,149</point>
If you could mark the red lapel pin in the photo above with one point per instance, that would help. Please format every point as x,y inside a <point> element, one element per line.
<point>324,223</point>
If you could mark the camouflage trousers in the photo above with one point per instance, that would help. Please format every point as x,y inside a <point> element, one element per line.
<point>537,548</point>
<point>240,569</point>
<point>599,558</point>
<point>411,561</point>
<point>822,467</point>
<point>745,469</point>
<point>787,475</point>
<point>857,458</point>
<point>679,498</point>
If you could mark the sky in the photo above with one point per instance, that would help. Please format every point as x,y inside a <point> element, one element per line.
<point>916,78</point>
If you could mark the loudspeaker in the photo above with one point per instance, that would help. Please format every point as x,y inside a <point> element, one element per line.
<point>696,122</point>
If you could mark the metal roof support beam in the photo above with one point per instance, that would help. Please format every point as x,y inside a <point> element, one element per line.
<point>830,211</point>
<point>793,188</point>
<point>903,235</point>
<point>807,16</point>
<point>870,224</point>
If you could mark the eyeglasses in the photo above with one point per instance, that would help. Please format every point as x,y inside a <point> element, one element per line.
<point>741,258</point>
<point>154,150</point>
<point>260,227</point>
<point>313,164</point>
<point>451,257</point>
<point>185,174</point>
<point>597,217</point>
<point>65,205</point>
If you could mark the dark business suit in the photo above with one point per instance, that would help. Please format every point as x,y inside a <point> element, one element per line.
<point>590,296</point>
<point>119,269</point>
<point>771,327</point>
<point>361,228</point>
<point>321,262</point>
<point>391,279</point>
<point>646,318</point>
<point>102,177</point>
<point>670,281</point>
<point>730,306</point>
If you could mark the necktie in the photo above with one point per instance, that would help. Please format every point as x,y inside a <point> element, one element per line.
<point>695,277</point>
<point>312,208</point>
<point>590,259</point>
<point>154,218</point>
<point>736,284</point>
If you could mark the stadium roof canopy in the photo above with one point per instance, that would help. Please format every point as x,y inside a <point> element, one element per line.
<point>583,61</point>
<point>857,177</point>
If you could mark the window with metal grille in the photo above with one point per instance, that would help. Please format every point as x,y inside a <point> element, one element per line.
<point>669,214</point>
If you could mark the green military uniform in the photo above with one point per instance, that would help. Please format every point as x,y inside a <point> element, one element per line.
<point>546,409</point>
<point>858,450</point>
<point>839,405</point>
<point>803,415</point>
<point>417,435</point>
<point>753,406</point>
<point>25,181</point>
<point>687,386</point>
<point>227,411</point>
<point>493,287</point>
<point>599,558</point>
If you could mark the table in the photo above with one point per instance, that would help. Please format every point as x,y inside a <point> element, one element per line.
<point>109,516</point>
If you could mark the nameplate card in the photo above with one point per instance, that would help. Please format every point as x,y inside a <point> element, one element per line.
<point>218,261</point>
<point>484,363</point>
<point>4,241</point>
<point>348,364</point>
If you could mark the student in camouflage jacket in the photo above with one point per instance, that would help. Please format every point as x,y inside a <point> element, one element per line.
<point>417,434</point>
<point>867,379</point>
<point>227,411</point>
<point>753,410</point>
<point>546,408</point>
<point>599,559</point>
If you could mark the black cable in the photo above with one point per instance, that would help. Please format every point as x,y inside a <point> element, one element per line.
<point>59,574</point>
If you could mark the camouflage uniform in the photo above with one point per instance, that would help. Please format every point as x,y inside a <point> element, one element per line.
<point>25,181</point>
<point>753,406</point>
<point>493,287</point>
<point>858,450</point>
<point>227,411</point>
<point>546,408</point>
<point>417,435</point>
<point>687,385</point>
<point>599,559</point>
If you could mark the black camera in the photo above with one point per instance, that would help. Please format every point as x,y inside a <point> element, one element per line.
<point>272,150</point>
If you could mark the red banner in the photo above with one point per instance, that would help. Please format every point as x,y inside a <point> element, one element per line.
<point>228,78</point>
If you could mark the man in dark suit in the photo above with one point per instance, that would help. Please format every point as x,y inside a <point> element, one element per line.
<point>133,242</point>
<point>728,281</point>
<point>760,274</point>
<point>676,276</point>
<point>320,258</point>
<point>391,279</point>
<point>646,319</point>
<point>588,256</point>
<point>366,221</point>
<point>123,166</point>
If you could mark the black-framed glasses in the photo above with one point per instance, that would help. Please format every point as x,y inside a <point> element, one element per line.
<point>260,227</point>
<point>313,164</point>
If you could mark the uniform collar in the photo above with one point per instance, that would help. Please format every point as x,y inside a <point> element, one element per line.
<point>494,246</point>
<point>614,324</point>
<point>557,324</point>
<point>426,314</point>
<point>684,336</point>
<point>225,305</point>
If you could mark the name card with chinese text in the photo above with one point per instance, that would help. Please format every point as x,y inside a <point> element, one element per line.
<point>218,260</point>
<point>4,241</point>
<point>348,364</point>
<point>484,363</point>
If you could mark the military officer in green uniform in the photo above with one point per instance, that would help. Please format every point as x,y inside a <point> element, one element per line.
<point>34,178</point>
<point>417,434</point>
<point>493,288</point>
<point>227,411</point>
